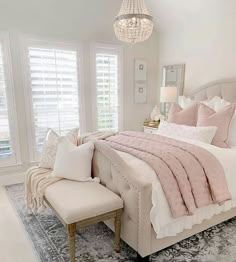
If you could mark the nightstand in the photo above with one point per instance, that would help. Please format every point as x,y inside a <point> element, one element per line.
<point>150,130</point>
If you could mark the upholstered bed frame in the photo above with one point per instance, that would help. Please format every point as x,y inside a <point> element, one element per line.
<point>136,192</point>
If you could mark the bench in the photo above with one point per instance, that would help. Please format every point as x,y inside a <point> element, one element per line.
<point>82,204</point>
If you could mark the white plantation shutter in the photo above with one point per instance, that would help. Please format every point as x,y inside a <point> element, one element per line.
<point>54,82</point>
<point>5,139</point>
<point>108,88</point>
<point>9,143</point>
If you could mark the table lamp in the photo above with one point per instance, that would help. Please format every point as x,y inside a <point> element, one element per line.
<point>168,95</point>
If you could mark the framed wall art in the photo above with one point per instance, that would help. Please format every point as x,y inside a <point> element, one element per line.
<point>140,80</point>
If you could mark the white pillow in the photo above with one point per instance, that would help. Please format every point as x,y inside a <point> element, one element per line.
<point>50,147</point>
<point>73,162</point>
<point>211,103</point>
<point>202,134</point>
<point>186,102</point>
<point>215,103</point>
<point>221,104</point>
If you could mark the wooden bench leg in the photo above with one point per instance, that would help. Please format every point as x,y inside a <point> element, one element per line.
<point>117,230</point>
<point>71,237</point>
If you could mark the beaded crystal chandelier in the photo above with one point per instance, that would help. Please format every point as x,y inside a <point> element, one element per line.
<point>133,23</point>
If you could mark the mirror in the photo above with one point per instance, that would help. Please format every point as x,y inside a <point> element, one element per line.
<point>173,75</point>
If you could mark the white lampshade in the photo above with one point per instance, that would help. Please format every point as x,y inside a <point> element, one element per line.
<point>168,94</point>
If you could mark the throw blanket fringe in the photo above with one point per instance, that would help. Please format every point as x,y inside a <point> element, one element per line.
<point>37,179</point>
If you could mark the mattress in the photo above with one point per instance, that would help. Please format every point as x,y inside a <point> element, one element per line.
<point>161,218</point>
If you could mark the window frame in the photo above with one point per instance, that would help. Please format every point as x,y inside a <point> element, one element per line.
<point>44,43</point>
<point>109,49</point>
<point>15,158</point>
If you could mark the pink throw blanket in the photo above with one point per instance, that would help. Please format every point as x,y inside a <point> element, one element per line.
<point>191,177</point>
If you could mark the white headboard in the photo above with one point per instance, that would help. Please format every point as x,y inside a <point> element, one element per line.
<point>224,88</point>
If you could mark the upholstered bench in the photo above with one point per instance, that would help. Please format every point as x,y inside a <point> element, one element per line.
<point>83,204</point>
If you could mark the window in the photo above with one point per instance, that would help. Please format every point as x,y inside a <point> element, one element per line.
<point>9,154</point>
<point>107,61</point>
<point>54,89</point>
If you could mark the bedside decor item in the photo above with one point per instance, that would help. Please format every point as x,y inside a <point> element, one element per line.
<point>140,80</point>
<point>155,114</point>
<point>134,23</point>
<point>168,95</point>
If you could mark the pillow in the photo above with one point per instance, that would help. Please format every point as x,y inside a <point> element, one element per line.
<point>186,102</point>
<point>50,147</point>
<point>187,117</point>
<point>209,117</point>
<point>211,102</point>
<point>202,134</point>
<point>215,103</point>
<point>221,104</point>
<point>232,132</point>
<point>73,162</point>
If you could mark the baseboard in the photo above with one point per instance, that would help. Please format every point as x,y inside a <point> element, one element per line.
<point>11,179</point>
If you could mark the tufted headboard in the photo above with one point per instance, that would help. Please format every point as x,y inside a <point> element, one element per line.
<point>224,88</point>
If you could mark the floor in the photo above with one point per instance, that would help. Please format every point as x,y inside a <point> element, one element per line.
<point>14,243</point>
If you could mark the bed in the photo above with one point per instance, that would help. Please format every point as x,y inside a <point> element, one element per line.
<point>137,190</point>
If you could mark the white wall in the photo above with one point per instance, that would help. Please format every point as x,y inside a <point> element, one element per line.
<point>203,37</point>
<point>85,22</point>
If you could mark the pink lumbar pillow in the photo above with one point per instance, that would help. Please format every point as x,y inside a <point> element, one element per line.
<point>221,119</point>
<point>180,116</point>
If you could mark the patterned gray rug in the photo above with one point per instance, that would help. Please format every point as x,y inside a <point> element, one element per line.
<point>95,243</point>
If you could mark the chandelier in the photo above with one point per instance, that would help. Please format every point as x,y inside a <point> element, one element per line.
<point>134,23</point>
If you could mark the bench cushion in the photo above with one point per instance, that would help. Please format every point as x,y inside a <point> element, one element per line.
<point>76,201</point>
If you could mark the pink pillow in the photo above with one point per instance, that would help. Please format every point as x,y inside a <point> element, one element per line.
<point>221,119</point>
<point>180,116</point>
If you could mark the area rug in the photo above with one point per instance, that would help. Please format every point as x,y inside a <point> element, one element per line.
<point>95,243</point>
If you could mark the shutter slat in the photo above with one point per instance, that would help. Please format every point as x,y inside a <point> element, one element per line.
<point>107,85</point>
<point>55,85</point>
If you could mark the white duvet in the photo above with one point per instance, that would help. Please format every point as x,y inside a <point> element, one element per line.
<point>163,222</point>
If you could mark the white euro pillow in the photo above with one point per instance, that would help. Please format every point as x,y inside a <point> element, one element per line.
<point>72,162</point>
<point>202,134</point>
<point>186,102</point>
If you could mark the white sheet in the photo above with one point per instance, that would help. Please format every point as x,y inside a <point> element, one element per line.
<point>163,222</point>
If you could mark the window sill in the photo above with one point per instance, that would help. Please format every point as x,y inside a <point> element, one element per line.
<point>11,168</point>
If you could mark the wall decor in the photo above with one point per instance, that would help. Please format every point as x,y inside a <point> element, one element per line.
<point>174,75</point>
<point>140,79</point>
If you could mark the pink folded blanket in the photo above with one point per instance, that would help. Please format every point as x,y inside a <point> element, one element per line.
<point>191,177</point>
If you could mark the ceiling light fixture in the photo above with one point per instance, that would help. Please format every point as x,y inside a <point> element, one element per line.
<point>134,23</point>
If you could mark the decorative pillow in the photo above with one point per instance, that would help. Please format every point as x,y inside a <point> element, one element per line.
<point>232,132</point>
<point>202,134</point>
<point>211,102</point>
<point>73,162</point>
<point>209,117</point>
<point>50,147</point>
<point>186,102</point>
<point>187,117</point>
<point>221,104</point>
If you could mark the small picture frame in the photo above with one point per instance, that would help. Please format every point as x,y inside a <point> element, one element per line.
<point>140,93</point>
<point>140,70</point>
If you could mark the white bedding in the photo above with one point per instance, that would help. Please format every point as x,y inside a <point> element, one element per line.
<point>163,222</point>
